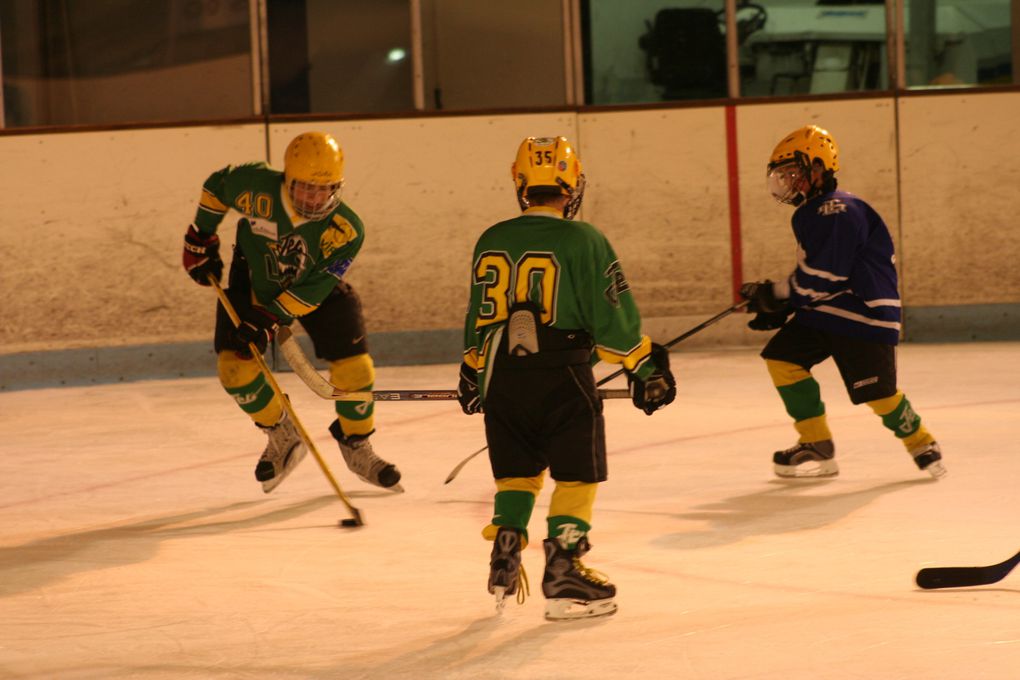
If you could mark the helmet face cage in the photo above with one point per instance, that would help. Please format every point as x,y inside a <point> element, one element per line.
<point>313,169</point>
<point>786,182</point>
<point>549,162</point>
<point>314,201</point>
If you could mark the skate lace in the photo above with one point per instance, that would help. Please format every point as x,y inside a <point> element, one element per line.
<point>589,574</point>
<point>523,589</point>
<point>362,459</point>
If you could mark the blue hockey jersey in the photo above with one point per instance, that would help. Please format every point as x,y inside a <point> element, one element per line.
<point>845,281</point>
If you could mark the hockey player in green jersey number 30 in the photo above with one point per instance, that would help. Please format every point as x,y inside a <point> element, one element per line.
<point>295,241</point>
<point>548,292</point>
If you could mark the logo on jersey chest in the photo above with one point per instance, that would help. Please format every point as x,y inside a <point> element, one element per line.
<point>287,259</point>
<point>831,207</point>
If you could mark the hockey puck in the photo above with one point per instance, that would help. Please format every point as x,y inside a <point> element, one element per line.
<point>350,522</point>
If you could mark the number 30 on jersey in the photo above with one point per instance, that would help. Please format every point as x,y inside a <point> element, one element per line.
<point>535,276</point>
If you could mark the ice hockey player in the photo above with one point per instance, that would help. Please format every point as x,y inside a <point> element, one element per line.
<point>295,240</point>
<point>546,293</point>
<point>845,302</point>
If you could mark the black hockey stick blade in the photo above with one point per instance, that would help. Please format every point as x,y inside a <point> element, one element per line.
<point>931,578</point>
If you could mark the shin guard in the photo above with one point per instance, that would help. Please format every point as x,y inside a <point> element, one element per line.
<point>243,381</point>
<point>354,374</point>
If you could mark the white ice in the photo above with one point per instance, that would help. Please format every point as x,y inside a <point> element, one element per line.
<point>136,542</point>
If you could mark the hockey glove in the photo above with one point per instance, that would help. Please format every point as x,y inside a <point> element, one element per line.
<point>467,390</point>
<point>202,256</point>
<point>658,389</point>
<point>761,296</point>
<point>769,321</point>
<point>257,328</point>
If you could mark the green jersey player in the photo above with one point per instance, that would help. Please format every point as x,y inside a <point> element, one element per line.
<point>547,295</point>
<point>295,240</point>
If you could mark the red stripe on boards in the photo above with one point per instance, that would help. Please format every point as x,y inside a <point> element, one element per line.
<point>733,180</point>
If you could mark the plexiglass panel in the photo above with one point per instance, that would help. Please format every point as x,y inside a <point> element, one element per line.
<point>958,43</point>
<point>69,62</point>
<point>655,50</point>
<point>357,56</point>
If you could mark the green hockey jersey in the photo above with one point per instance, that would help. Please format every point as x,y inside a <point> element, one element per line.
<point>294,262</point>
<point>569,270</point>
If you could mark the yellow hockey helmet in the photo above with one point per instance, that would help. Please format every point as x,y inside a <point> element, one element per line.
<point>789,177</point>
<point>313,172</point>
<point>548,165</point>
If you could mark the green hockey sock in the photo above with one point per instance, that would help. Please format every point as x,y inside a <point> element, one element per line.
<point>803,399</point>
<point>902,420</point>
<point>513,509</point>
<point>568,530</point>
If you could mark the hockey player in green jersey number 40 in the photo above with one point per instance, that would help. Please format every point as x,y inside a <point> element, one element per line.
<point>295,241</point>
<point>845,302</point>
<point>548,292</point>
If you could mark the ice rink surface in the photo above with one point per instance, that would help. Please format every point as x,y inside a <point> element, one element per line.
<point>136,542</point>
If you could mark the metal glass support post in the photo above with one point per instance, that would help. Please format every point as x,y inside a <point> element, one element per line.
<point>259,51</point>
<point>417,58</point>
<point>732,54</point>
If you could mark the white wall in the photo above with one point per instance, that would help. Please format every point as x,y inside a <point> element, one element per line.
<point>94,221</point>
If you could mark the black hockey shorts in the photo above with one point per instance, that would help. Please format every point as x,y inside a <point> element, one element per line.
<point>868,368</point>
<point>336,327</point>
<point>538,418</point>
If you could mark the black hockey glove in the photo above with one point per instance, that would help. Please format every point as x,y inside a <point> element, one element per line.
<point>658,389</point>
<point>258,327</point>
<point>467,390</point>
<point>202,256</point>
<point>761,297</point>
<point>769,321</point>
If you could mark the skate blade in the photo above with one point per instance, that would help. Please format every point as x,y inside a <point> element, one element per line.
<point>568,610</point>
<point>296,456</point>
<point>936,470</point>
<point>823,468</point>
<point>499,592</point>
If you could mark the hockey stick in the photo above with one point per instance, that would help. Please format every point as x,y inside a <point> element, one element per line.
<point>355,519</point>
<point>931,578</point>
<point>680,338</point>
<point>304,369</point>
<point>683,336</point>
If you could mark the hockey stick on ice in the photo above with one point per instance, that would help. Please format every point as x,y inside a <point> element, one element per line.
<point>304,369</point>
<point>931,578</point>
<point>680,338</point>
<point>356,519</point>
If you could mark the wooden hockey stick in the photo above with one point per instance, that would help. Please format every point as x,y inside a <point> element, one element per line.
<point>356,519</point>
<point>304,369</point>
<point>931,578</point>
<point>680,338</point>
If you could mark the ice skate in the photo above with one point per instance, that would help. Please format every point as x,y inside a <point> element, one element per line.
<point>929,459</point>
<point>572,590</point>
<point>283,453</point>
<point>362,461</point>
<point>813,459</point>
<point>506,573</point>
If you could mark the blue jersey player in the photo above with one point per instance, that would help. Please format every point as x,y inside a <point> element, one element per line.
<point>845,301</point>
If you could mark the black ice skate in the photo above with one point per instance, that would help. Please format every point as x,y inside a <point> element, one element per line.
<point>813,459</point>
<point>572,590</point>
<point>283,453</point>
<point>362,461</point>
<point>929,459</point>
<point>506,573</point>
